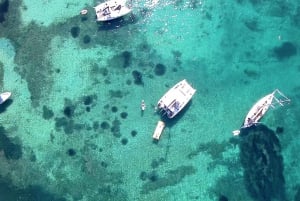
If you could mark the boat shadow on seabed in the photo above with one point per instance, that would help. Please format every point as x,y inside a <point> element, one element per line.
<point>171,122</point>
<point>5,105</point>
<point>117,23</point>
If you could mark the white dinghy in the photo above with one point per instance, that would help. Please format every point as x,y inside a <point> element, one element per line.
<point>111,9</point>
<point>260,108</point>
<point>158,130</point>
<point>4,96</point>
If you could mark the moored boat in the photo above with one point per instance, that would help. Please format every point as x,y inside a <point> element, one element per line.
<point>4,96</point>
<point>158,130</point>
<point>260,108</point>
<point>111,9</point>
<point>176,98</point>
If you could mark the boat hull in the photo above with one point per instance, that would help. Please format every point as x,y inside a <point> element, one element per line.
<point>111,10</point>
<point>158,130</point>
<point>4,96</point>
<point>258,110</point>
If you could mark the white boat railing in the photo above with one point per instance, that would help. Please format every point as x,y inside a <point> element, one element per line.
<point>278,99</point>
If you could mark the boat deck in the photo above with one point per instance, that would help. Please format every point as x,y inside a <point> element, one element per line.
<point>176,98</point>
<point>111,10</point>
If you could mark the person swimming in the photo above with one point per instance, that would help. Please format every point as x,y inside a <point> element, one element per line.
<point>143,105</point>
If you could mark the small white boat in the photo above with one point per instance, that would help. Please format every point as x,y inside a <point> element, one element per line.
<point>176,98</point>
<point>158,130</point>
<point>4,96</point>
<point>111,9</point>
<point>260,108</point>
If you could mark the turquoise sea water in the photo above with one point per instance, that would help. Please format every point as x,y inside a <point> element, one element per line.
<point>73,129</point>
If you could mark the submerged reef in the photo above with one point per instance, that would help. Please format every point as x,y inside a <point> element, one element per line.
<point>68,125</point>
<point>88,100</point>
<point>285,50</point>
<point>86,39</point>
<point>71,152</point>
<point>4,5</point>
<point>11,150</point>
<point>133,133</point>
<point>116,94</point>
<point>297,196</point>
<point>127,58</point>
<point>1,73</point>
<point>213,148</point>
<point>121,60</point>
<point>223,198</point>
<point>75,31</point>
<point>123,115</point>
<point>171,178</point>
<point>10,192</point>
<point>260,154</point>
<point>138,77</point>
<point>47,113</point>
<point>105,125</point>
<point>115,129</point>
<point>124,141</point>
<point>160,69</point>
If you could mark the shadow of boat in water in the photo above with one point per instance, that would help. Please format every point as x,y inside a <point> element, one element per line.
<point>117,23</point>
<point>5,105</point>
<point>171,122</point>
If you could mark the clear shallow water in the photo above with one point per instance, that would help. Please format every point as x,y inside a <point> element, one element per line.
<point>73,128</point>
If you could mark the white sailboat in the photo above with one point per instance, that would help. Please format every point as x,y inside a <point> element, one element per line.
<point>260,108</point>
<point>4,96</point>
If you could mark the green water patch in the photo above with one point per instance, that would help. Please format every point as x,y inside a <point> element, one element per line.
<point>12,150</point>
<point>259,168</point>
<point>116,128</point>
<point>285,50</point>
<point>263,163</point>
<point>159,69</point>
<point>4,5</point>
<point>121,60</point>
<point>153,181</point>
<point>297,195</point>
<point>32,43</point>
<point>212,148</point>
<point>1,74</point>
<point>137,77</point>
<point>252,24</point>
<point>226,186</point>
<point>296,17</point>
<point>250,73</point>
<point>10,192</point>
<point>47,113</point>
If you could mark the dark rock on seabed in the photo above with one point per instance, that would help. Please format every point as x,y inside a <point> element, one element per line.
<point>263,164</point>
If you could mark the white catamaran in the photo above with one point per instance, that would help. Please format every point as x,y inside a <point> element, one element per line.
<point>111,9</point>
<point>172,102</point>
<point>259,109</point>
<point>176,98</point>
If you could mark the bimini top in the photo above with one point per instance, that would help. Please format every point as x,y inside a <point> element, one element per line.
<point>176,98</point>
<point>112,9</point>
